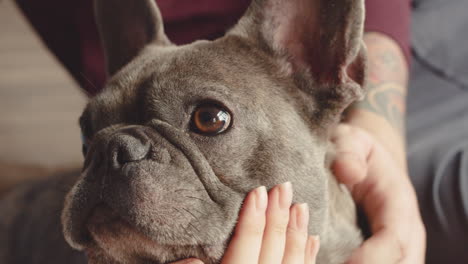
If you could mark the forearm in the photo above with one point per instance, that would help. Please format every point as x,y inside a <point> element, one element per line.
<point>381,185</point>
<point>382,111</point>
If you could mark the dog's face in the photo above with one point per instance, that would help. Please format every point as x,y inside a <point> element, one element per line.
<point>180,134</point>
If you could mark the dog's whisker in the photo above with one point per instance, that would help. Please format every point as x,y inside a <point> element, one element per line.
<point>194,227</point>
<point>186,231</point>
<point>184,227</point>
<point>194,218</point>
<point>189,213</point>
<point>196,190</point>
<point>180,212</point>
<point>198,211</point>
<point>197,198</point>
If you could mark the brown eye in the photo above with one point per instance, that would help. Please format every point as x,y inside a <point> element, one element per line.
<point>210,119</point>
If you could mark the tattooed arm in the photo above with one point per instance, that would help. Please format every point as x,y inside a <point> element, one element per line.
<point>382,112</point>
<point>371,160</point>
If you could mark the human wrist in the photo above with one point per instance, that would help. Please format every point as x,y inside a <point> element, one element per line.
<point>382,111</point>
<point>382,132</point>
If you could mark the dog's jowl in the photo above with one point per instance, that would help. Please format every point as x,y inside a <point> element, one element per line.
<point>181,134</point>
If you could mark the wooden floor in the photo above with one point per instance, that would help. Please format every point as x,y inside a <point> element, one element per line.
<point>39,102</point>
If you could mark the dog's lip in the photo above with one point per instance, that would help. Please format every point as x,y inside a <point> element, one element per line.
<point>106,226</point>
<point>104,221</point>
<point>103,214</point>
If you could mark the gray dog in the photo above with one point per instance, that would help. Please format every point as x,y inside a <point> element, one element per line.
<point>181,134</point>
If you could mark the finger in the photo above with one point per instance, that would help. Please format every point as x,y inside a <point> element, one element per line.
<point>246,242</point>
<point>312,249</point>
<point>296,234</point>
<point>352,149</point>
<point>387,197</point>
<point>415,254</point>
<point>383,247</point>
<point>277,218</point>
<point>188,261</point>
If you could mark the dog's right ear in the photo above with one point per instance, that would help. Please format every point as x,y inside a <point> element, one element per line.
<point>317,42</point>
<point>125,27</point>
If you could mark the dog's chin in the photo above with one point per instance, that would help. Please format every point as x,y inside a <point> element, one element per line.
<point>116,241</point>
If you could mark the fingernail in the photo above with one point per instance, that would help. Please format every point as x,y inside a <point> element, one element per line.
<point>189,261</point>
<point>285,195</point>
<point>194,261</point>
<point>261,198</point>
<point>302,216</point>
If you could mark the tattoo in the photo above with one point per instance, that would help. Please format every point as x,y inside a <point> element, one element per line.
<point>386,100</point>
<point>386,81</point>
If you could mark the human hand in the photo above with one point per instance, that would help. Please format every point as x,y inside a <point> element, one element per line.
<point>385,193</point>
<point>270,231</point>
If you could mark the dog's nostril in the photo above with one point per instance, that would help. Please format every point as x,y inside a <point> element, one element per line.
<point>129,149</point>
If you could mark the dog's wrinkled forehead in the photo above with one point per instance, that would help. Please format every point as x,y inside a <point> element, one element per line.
<point>168,83</point>
<point>229,69</point>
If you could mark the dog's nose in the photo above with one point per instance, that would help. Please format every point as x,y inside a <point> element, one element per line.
<point>126,149</point>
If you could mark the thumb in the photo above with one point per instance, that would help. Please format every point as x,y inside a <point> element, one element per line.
<point>383,248</point>
<point>353,147</point>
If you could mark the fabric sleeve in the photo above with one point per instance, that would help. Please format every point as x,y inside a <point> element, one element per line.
<point>392,18</point>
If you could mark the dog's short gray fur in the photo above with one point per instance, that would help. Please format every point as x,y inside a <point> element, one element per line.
<point>285,72</point>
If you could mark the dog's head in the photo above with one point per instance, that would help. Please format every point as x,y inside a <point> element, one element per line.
<point>180,134</point>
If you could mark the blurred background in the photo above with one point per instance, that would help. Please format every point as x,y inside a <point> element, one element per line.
<point>39,105</point>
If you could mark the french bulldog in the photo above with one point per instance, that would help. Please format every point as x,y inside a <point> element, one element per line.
<point>181,134</point>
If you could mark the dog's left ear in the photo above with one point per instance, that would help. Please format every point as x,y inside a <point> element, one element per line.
<point>318,41</point>
<point>126,27</point>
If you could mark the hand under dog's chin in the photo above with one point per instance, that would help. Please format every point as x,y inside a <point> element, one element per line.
<point>116,242</point>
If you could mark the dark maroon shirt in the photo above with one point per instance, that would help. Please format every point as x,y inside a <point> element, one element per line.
<point>69,30</point>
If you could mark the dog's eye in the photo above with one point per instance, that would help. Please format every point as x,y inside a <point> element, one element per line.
<point>210,119</point>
